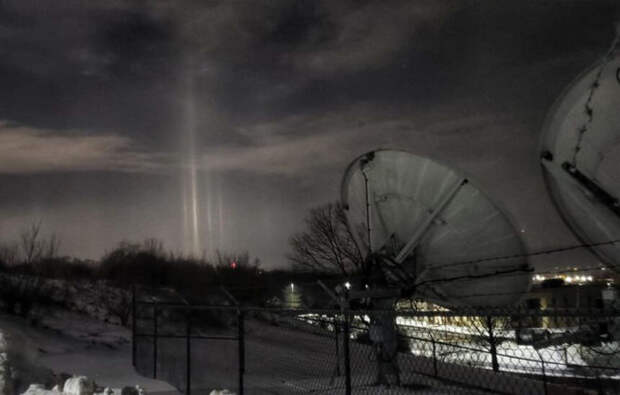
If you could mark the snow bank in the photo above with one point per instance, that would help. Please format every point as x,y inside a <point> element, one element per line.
<point>4,367</point>
<point>18,365</point>
<point>81,385</point>
<point>39,389</point>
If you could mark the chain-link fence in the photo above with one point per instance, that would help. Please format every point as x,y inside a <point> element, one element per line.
<point>278,351</point>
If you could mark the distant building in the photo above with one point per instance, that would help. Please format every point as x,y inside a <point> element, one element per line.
<point>588,296</point>
<point>595,295</point>
<point>292,297</point>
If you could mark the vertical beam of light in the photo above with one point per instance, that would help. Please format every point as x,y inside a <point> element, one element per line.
<point>220,211</point>
<point>210,233</point>
<point>202,194</point>
<point>191,197</point>
<point>185,200</point>
<point>196,247</point>
<point>212,205</point>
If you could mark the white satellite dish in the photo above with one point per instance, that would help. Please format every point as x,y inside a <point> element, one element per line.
<point>580,154</point>
<point>437,232</point>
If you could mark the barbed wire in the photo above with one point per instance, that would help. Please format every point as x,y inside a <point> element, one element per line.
<point>510,272</point>
<point>514,273</point>
<point>531,254</point>
<point>517,272</point>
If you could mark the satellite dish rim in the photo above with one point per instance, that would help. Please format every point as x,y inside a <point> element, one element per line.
<point>548,179</point>
<point>557,102</point>
<point>459,172</point>
<point>569,222</point>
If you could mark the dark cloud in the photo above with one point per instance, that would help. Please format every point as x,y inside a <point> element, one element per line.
<point>98,68</point>
<point>282,95</point>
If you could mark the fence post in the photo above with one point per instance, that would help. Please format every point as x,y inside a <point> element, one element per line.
<point>434,356</point>
<point>347,357</point>
<point>133,325</point>
<point>188,351</point>
<point>241,336</point>
<point>492,343</point>
<point>155,313</point>
<point>337,331</point>
<point>544,374</point>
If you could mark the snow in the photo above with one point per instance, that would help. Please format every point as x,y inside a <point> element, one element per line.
<point>79,385</point>
<point>65,342</point>
<point>4,366</point>
<point>464,351</point>
<point>277,358</point>
<point>39,389</point>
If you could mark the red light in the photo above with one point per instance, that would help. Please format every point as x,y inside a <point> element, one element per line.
<point>233,264</point>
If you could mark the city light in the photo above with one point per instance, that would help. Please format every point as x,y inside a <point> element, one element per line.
<point>347,285</point>
<point>578,279</point>
<point>567,278</point>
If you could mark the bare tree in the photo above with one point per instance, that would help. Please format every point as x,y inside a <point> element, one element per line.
<point>153,246</point>
<point>491,330</point>
<point>327,244</point>
<point>9,254</point>
<point>35,247</point>
<point>32,247</point>
<point>51,246</point>
<point>115,302</point>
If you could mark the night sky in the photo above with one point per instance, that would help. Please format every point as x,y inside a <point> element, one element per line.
<point>107,108</point>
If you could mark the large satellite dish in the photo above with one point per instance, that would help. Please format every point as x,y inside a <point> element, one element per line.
<point>435,231</point>
<point>580,154</point>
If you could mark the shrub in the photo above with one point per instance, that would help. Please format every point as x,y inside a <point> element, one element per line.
<point>19,293</point>
<point>65,268</point>
<point>129,264</point>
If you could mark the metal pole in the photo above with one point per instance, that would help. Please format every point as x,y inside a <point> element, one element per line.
<point>347,357</point>
<point>188,352</point>
<point>434,357</point>
<point>155,313</point>
<point>544,374</point>
<point>492,343</point>
<point>428,221</point>
<point>337,330</point>
<point>133,325</point>
<point>368,226</point>
<point>241,336</point>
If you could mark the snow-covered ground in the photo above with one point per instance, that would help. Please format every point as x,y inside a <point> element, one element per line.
<point>279,360</point>
<point>566,360</point>
<point>570,360</point>
<point>74,344</point>
<point>4,365</point>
